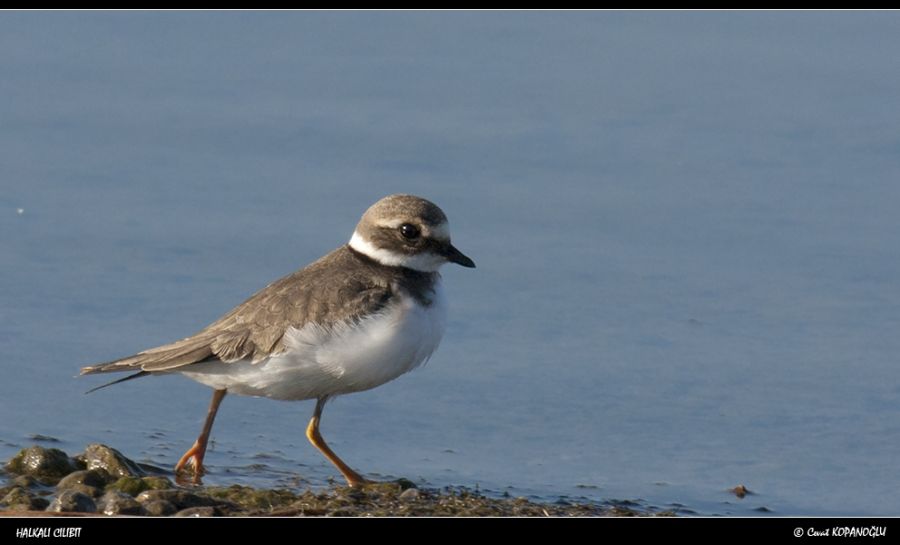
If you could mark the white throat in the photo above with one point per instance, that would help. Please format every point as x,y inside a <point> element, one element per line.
<point>423,262</point>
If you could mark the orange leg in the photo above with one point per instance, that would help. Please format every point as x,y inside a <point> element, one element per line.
<point>196,453</point>
<point>312,433</point>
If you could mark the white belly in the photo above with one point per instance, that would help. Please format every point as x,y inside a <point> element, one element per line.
<point>347,358</point>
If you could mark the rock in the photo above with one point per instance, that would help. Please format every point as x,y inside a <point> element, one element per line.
<point>157,483</point>
<point>250,498</point>
<point>91,491</point>
<point>18,499</point>
<point>181,499</point>
<point>135,485</point>
<point>197,512</point>
<point>128,485</point>
<point>46,464</point>
<point>97,478</point>
<point>26,481</point>
<point>119,503</point>
<point>740,491</point>
<point>42,438</point>
<point>98,456</point>
<point>38,504</point>
<point>72,501</point>
<point>159,508</point>
<point>410,494</point>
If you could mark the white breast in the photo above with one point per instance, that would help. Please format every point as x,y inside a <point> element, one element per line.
<point>346,358</point>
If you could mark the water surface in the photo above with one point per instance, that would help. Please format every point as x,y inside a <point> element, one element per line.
<point>685,226</point>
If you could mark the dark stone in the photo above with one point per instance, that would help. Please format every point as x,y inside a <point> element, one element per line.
<point>15,495</point>
<point>42,438</point>
<point>98,456</point>
<point>26,481</point>
<point>135,485</point>
<point>72,501</point>
<point>410,494</point>
<point>197,512</point>
<point>46,464</point>
<point>119,503</point>
<point>181,499</point>
<point>97,478</point>
<point>39,504</point>
<point>248,498</point>
<point>91,491</point>
<point>159,508</point>
<point>18,499</point>
<point>128,485</point>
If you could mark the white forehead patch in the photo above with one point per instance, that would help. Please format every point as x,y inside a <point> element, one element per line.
<point>440,231</point>
<point>394,223</point>
<point>424,262</point>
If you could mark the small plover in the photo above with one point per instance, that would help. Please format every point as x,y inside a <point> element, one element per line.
<point>358,317</point>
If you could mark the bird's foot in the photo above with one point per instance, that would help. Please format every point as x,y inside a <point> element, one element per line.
<point>193,458</point>
<point>355,480</point>
<point>359,484</point>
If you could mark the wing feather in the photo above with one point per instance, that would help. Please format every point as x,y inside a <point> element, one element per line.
<point>327,292</point>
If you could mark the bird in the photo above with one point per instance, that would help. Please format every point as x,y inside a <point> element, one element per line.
<point>356,318</point>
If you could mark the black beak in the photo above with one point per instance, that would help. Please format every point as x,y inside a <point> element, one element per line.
<point>455,256</point>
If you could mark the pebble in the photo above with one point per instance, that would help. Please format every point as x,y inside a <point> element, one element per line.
<point>105,474</point>
<point>159,508</point>
<point>97,456</point>
<point>740,491</point>
<point>91,491</point>
<point>26,481</point>
<point>72,501</point>
<point>181,499</point>
<point>119,503</point>
<point>46,464</point>
<point>197,512</point>
<point>89,477</point>
<point>135,485</point>
<point>410,494</point>
<point>18,499</point>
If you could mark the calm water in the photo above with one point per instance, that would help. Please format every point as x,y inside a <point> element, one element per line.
<point>685,225</point>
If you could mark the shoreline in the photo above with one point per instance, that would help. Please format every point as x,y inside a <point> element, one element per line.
<point>101,481</point>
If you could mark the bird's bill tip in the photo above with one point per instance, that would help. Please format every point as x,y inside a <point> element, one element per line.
<point>455,256</point>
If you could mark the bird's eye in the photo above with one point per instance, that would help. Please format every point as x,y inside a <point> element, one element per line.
<point>409,231</point>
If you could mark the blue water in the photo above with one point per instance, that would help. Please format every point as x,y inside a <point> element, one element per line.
<point>685,226</point>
